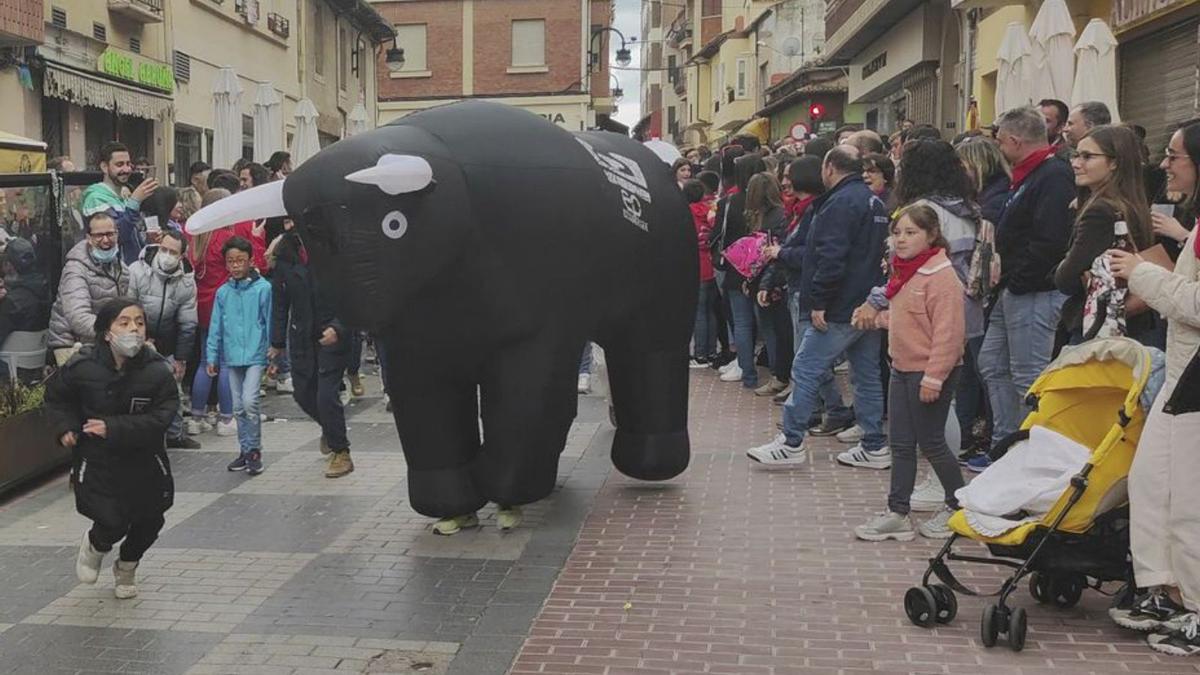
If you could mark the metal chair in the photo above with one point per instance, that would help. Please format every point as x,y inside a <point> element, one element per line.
<point>24,349</point>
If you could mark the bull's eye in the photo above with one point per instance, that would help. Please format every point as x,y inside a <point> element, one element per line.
<point>395,225</point>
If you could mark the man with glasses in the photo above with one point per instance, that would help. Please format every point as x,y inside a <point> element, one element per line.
<point>92,274</point>
<point>108,196</point>
<point>1031,239</point>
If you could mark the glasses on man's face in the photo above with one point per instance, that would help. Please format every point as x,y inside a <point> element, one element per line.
<point>101,236</point>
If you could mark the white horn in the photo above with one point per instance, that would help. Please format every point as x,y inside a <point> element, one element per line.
<point>264,201</point>
<point>396,174</point>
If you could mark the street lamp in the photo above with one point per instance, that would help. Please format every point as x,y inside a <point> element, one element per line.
<point>616,91</point>
<point>395,58</point>
<point>624,56</point>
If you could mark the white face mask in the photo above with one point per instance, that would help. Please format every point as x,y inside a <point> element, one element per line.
<point>167,262</point>
<point>126,345</point>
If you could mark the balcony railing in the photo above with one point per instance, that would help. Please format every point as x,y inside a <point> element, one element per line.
<point>142,11</point>
<point>278,25</point>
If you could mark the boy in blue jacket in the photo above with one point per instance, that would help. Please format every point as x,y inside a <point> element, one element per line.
<point>238,339</point>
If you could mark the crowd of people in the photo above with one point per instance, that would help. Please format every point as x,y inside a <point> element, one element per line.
<point>144,313</point>
<point>947,276</point>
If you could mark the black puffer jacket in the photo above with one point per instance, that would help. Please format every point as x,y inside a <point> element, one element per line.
<point>125,475</point>
<point>298,308</point>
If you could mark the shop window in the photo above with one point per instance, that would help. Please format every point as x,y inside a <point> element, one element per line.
<point>411,38</point>
<point>187,153</point>
<point>528,43</point>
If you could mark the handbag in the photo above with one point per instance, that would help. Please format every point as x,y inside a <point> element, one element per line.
<point>983,275</point>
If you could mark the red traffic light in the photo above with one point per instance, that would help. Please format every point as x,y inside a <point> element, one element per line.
<point>816,111</point>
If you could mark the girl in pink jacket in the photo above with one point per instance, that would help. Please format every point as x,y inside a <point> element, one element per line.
<point>927,331</point>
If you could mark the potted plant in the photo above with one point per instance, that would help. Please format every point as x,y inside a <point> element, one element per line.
<point>27,445</point>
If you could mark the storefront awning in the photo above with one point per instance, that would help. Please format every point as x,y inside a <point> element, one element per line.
<point>83,89</point>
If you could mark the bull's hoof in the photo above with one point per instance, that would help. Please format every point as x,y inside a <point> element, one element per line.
<point>449,526</point>
<point>651,456</point>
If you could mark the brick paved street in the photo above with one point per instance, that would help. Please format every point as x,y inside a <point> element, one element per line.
<point>729,569</point>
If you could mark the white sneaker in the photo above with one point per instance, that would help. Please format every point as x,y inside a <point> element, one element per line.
<point>929,495</point>
<point>285,386</point>
<point>937,527</point>
<point>585,384</point>
<point>227,428</point>
<point>733,375</point>
<point>778,453</point>
<point>195,427</point>
<point>728,367</point>
<point>852,435</point>
<point>344,397</point>
<point>858,456</point>
<point>87,563</point>
<point>886,525</point>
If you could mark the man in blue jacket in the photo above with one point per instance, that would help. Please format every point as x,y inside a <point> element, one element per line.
<point>842,263</point>
<point>1031,239</point>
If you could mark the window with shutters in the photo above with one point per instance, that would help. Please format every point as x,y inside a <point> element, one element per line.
<point>710,8</point>
<point>319,44</point>
<point>743,78</point>
<point>343,52</point>
<point>135,45</point>
<point>528,43</point>
<point>58,17</point>
<point>100,32</point>
<point>411,38</point>
<point>183,67</point>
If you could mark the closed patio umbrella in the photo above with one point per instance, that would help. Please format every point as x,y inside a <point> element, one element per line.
<point>1053,38</point>
<point>268,122</point>
<point>1096,74</point>
<point>227,119</point>
<point>356,121</point>
<point>1013,87</point>
<point>306,143</point>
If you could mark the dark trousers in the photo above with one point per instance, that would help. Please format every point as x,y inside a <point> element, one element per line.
<point>356,351</point>
<point>317,377</point>
<point>913,424</point>
<point>139,535</point>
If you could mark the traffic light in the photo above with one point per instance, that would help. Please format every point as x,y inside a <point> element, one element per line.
<point>816,111</point>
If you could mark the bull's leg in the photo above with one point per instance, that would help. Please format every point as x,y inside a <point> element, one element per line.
<point>529,401</point>
<point>436,414</point>
<point>650,398</point>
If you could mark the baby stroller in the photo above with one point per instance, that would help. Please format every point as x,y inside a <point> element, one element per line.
<point>1091,395</point>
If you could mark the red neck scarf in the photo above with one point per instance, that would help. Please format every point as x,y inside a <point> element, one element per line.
<point>799,206</point>
<point>1022,170</point>
<point>904,270</point>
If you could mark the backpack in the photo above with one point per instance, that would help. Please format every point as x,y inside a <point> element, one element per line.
<point>984,273</point>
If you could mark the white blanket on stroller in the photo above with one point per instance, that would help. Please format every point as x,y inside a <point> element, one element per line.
<point>1024,484</point>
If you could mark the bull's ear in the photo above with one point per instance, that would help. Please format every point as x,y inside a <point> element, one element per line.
<point>396,174</point>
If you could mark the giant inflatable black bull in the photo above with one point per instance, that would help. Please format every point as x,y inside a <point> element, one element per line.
<point>485,246</point>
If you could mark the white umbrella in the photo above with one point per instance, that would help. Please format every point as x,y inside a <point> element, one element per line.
<point>1096,78</point>
<point>1053,36</point>
<point>665,151</point>
<point>268,122</point>
<point>1013,87</point>
<point>227,119</point>
<point>356,121</point>
<point>305,143</point>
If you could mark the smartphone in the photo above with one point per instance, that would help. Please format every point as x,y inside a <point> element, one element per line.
<point>135,179</point>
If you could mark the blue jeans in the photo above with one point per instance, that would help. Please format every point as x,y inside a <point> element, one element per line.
<point>704,334</point>
<point>835,407</point>
<point>202,385</point>
<point>1017,347</point>
<point>742,306</point>
<point>819,350</point>
<point>175,429</point>
<point>244,384</point>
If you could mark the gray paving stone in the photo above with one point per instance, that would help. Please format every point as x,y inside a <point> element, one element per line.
<point>283,523</point>
<point>32,576</point>
<point>205,471</point>
<point>47,649</point>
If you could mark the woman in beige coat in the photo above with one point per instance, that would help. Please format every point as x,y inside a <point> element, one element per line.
<point>1164,510</point>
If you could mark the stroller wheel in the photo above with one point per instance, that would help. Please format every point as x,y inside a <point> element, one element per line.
<point>920,606</point>
<point>1065,590</point>
<point>947,603</point>
<point>1016,629</point>
<point>989,626</point>
<point>1039,587</point>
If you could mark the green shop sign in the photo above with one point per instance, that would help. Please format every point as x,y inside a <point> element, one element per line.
<point>135,68</point>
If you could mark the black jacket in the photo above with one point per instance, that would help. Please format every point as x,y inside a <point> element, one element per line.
<point>298,308</point>
<point>993,197</point>
<point>785,270</point>
<point>126,475</point>
<point>731,228</point>
<point>27,305</point>
<point>1032,233</point>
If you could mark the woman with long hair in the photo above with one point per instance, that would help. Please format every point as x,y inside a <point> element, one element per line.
<point>989,173</point>
<point>731,223</point>
<point>1108,170</point>
<point>682,169</point>
<point>765,213</point>
<point>1164,531</point>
